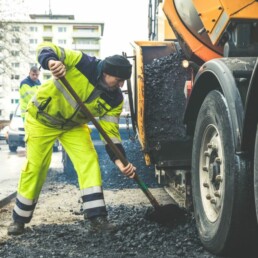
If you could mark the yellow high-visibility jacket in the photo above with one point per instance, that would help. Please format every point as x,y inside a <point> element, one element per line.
<point>28,88</point>
<point>54,106</point>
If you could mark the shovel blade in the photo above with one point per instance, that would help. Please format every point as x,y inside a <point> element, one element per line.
<point>170,213</point>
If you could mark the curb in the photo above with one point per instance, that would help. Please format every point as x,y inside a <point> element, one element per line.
<point>7,199</point>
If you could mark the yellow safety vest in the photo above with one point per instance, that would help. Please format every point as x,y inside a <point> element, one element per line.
<point>54,106</point>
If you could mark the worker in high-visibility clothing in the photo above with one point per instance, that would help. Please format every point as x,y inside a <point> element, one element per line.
<point>53,113</point>
<point>28,88</point>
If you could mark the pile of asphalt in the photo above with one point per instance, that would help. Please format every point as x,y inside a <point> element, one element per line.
<point>135,236</point>
<point>164,80</point>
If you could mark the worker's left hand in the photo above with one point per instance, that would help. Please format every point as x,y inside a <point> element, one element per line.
<point>57,68</point>
<point>128,170</point>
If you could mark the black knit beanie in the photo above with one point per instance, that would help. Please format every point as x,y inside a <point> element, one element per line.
<point>117,66</point>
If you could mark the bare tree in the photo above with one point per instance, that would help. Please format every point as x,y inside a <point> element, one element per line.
<point>14,47</point>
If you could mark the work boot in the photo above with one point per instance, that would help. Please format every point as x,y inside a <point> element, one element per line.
<point>15,228</point>
<point>100,225</point>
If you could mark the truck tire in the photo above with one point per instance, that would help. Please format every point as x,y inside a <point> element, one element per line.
<point>256,174</point>
<point>220,182</point>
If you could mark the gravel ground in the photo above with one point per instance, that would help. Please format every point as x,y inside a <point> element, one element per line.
<point>57,228</point>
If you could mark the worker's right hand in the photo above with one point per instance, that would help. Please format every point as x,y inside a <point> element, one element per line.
<point>57,68</point>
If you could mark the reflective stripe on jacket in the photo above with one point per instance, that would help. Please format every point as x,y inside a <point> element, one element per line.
<point>54,106</point>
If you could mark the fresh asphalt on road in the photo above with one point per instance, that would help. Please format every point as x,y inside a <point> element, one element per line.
<point>11,164</point>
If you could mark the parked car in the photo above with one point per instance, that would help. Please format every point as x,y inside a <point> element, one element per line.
<point>4,133</point>
<point>16,133</point>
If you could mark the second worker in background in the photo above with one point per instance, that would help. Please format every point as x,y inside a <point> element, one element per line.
<point>28,88</point>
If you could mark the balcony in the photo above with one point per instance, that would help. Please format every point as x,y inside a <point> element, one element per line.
<point>47,34</point>
<point>85,46</point>
<point>86,34</point>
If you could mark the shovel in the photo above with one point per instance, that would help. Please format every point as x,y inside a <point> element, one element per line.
<point>161,212</point>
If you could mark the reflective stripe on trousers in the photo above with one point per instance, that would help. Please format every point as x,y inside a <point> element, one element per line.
<point>93,201</point>
<point>39,142</point>
<point>23,209</point>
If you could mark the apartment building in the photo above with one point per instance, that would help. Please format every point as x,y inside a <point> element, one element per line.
<point>62,30</point>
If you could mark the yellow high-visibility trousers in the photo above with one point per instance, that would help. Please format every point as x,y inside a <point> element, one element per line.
<point>39,144</point>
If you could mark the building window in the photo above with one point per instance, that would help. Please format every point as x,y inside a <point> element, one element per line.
<point>15,53</point>
<point>46,76</point>
<point>15,41</point>
<point>33,41</point>
<point>85,29</point>
<point>61,29</point>
<point>62,41</point>
<point>14,101</point>
<point>15,28</point>
<point>91,53</point>
<point>47,39</point>
<point>91,42</point>
<point>33,64</point>
<point>47,28</point>
<point>33,29</point>
<point>15,65</point>
<point>80,41</point>
<point>15,77</point>
<point>85,41</point>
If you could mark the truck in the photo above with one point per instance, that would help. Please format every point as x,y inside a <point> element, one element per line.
<point>192,102</point>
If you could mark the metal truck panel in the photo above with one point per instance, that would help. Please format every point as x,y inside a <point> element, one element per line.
<point>186,23</point>
<point>217,14</point>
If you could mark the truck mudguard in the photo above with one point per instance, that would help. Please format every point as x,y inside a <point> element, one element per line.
<point>222,74</point>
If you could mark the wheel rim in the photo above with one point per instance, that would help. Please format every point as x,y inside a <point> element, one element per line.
<point>212,173</point>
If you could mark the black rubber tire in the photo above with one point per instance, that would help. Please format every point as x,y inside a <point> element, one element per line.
<point>256,174</point>
<point>13,148</point>
<point>230,230</point>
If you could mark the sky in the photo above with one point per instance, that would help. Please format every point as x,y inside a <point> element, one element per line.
<point>125,21</point>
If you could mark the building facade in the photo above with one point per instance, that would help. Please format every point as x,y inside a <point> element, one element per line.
<point>62,30</point>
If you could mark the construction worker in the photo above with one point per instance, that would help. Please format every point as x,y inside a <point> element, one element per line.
<point>28,88</point>
<point>53,113</point>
